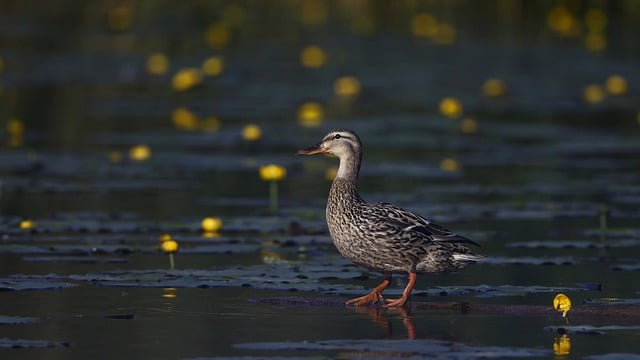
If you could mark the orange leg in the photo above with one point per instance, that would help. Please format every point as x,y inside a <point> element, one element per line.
<point>405,294</point>
<point>374,296</point>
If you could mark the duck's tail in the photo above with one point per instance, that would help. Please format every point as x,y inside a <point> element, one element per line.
<point>468,257</point>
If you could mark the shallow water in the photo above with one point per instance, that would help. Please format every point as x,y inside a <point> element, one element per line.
<point>546,182</point>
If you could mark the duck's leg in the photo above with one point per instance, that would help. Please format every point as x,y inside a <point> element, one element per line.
<point>374,296</point>
<point>405,294</point>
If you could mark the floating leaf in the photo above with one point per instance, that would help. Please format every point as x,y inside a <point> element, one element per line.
<point>590,286</point>
<point>589,329</point>
<point>582,330</point>
<point>611,301</point>
<point>18,320</point>
<point>399,348</point>
<point>121,316</point>
<point>613,356</point>
<point>76,259</point>
<point>626,267</point>
<point>268,276</point>
<point>585,244</point>
<point>481,291</point>
<point>514,290</point>
<point>20,284</point>
<point>31,344</point>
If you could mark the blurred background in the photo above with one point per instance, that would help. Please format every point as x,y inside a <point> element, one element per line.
<point>183,80</point>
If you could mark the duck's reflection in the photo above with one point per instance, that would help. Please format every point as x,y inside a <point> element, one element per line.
<point>379,316</point>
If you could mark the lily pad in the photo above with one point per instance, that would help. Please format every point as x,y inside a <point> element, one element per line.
<point>590,286</point>
<point>18,320</point>
<point>613,233</point>
<point>586,244</point>
<point>626,267</point>
<point>480,291</point>
<point>485,291</point>
<point>269,276</point>
<point>611,301</point>
<point>76,259</point>
<point>120,316</point>
<point>613,356</point>
<point>398,348</point>
<point>31,344</point>
<point>64,226</point>
<point>589,329</point>
<point>221,249</point>
<point>22,283</point>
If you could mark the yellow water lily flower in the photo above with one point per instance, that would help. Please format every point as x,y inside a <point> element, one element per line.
<point>562,304</point>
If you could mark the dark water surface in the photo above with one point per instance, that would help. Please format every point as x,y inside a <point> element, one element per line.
<point>542,171</point>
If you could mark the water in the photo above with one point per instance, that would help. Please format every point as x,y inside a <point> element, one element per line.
<point>532,176</point>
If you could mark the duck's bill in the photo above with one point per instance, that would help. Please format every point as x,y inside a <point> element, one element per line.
<point>317,149</point>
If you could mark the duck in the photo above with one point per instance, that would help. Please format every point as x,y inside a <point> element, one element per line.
<point>382,237</point>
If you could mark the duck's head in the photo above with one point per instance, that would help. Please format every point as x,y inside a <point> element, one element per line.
<point>341,143</point>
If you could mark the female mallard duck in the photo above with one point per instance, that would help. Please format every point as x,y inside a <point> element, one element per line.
<point>382,237</point>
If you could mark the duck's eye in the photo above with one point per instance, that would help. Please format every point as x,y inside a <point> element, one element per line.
<point>337,136</point>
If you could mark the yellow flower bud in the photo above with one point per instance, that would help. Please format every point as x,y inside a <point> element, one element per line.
<point>346,86</point>
<point>494,87</point>
<point>272,172</point>
<point>310,114</point>
<point>186,79</point>
<point>616,85</point>
<point>169,247</point>
<point>449,164</point>
<point>165,237</point>
<point>211,224</point>
<point>27,224</point>
<point>450,107</point>
<point>140,153</point>
<point>593,94</point>
<point>313,57</point>
<point>157,64</point>
<point>251,132</point>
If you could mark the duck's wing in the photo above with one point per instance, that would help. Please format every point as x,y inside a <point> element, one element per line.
<point>409,225</point>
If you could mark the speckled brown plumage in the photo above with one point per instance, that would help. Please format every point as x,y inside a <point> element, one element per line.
<point>383,237</point>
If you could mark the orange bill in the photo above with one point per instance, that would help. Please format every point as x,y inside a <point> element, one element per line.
<point>316,149</point>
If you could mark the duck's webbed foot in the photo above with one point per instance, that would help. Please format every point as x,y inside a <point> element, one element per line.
<point>373,297</point>
<point>399,302</point>
<point>405,294</point>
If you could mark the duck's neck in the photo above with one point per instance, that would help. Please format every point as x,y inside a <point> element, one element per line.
<point>345,184</point>
<point>349,168</point>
